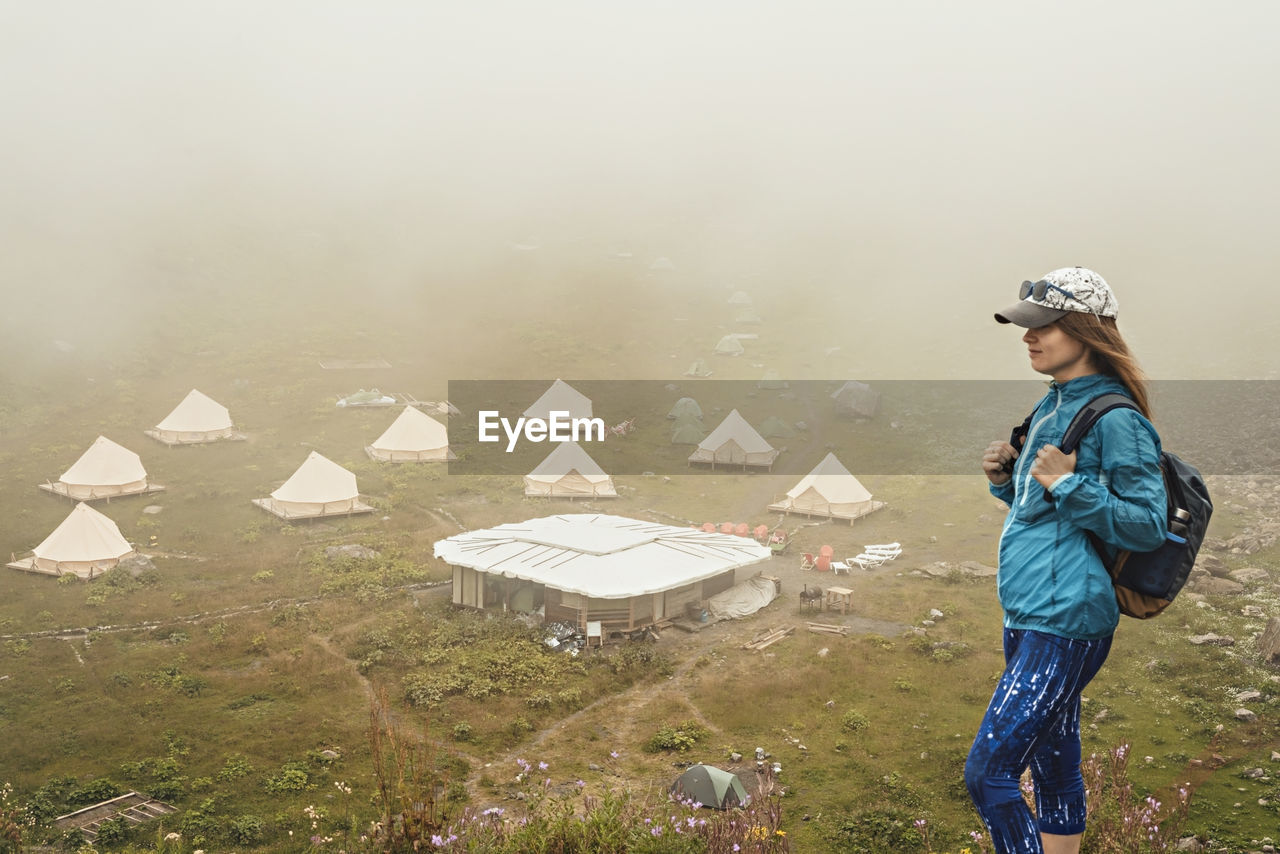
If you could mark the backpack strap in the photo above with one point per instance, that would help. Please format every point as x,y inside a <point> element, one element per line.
<point>1089,415</point>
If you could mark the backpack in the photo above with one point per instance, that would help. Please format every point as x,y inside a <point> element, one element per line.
<point>1146,582</point>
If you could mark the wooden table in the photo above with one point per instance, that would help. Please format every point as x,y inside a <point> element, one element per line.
<point>839,597</point>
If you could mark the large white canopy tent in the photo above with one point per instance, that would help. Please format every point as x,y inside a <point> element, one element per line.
<point>105,470</point>
<point>829,490</point>
<point>196,420</point>
<point>320,487</point>
<point>413,437</point>
<point>569,472</point>
<point>86,544</point>
<point>579,568</point>
<point>735,442</point>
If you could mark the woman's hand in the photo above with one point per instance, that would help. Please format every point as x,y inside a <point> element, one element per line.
<point>997,456</point>
<point>1051,464</point>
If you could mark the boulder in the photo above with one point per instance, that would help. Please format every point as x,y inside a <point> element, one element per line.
<point>1250,575</point>
<point>1245,715</point>
<point>1212,640</point>
<point>355,551</point>
<point>1211,564</point>
<point>1269,642</point>
<point>1213,585</point>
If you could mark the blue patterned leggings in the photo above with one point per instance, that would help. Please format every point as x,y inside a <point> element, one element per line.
<point>1033,721</point>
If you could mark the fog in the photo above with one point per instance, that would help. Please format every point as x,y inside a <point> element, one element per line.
<point>889,169</point>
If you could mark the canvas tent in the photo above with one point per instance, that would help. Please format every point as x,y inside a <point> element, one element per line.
<point>569,472</point>
<point>86,544</point>
<point>320,487</point>
<point>729,346</point>
<point>698,369</point>
<point>829,490</point>
<point>685,406</point>
<point>589,567</point>
<point>413,437</point>
<point>740,298</point>
<point>560,397</point>
<point>735,442</point>
<point>197,419</point>
<point>711,787</point>
<point>106,470</point>
<point>856,400</point>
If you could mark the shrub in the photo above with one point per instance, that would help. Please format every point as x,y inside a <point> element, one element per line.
<point>854,721</point>
<point>292,777</point>
<point>462,731</point>
<point>245,829</point>
<point>679,738</point>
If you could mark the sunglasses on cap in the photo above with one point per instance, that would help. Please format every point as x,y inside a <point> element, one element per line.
<point>1037,290</point>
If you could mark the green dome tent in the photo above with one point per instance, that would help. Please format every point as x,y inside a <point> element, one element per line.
<point>775,428</point>
<point>688,433</point>
<point>685,406</point>
<point>711,787</point>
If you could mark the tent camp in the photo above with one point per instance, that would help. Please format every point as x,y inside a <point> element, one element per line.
<point>688,432</point>
<point>569,472</point>
<point>588,567</point>
<point>196,420</point>
<point>106,470</point>
<point>829,490</point>
<point>729,346</point>
<point>685,406</point>
<point>771,381</point>
<point>86,544</point>
<point>698,369</point>
<point>711,787</point>
<point>560,397</point>
<point>856,400</point>
<point>413,437</point>
<point>735,442</point>
<point>320,487</point>
<point>774,427</point>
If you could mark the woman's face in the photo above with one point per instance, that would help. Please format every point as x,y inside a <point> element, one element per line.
<point>1056,354</point>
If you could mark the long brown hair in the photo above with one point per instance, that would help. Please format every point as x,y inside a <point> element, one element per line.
<point>1108,353</point>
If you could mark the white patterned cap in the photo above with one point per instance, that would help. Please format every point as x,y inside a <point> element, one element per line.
<point>1056,293</point>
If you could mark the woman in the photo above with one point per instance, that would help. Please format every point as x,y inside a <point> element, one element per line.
<point>1059,608</point>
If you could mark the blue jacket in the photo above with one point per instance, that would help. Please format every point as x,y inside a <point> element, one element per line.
<point>1050,578</point>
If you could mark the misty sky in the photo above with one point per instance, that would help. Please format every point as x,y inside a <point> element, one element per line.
<point>911,161</point>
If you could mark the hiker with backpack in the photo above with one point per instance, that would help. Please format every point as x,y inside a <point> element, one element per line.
<point>1060,609</point>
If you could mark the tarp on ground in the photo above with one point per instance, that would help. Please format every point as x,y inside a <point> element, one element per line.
<point>742,600</point>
